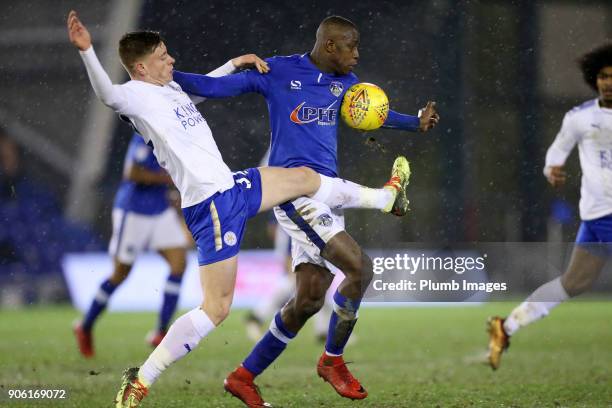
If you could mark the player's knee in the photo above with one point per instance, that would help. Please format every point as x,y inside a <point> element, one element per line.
<point>359,268</point>
<point>306,178</point>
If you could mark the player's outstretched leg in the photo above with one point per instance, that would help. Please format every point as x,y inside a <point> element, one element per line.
<point>83,329</point>
<point>280,185</point>
<point>218,280</point>
<point>389,199</point>
<point>582,271</point>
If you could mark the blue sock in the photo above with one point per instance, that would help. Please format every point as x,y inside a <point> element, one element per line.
<point>341,323</point>
<point>171,295</point>
<point>269,347</point>
<point>99,304</point>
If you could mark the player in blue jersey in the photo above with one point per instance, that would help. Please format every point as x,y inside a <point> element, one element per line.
<point>142,219</point>
<point>304,93</point>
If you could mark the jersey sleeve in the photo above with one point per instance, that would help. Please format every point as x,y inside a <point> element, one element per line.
<point>226,69</point>
<point>563,144</point>
<point>116,97</point>
<point>401,121</point>
<point>223,87</point>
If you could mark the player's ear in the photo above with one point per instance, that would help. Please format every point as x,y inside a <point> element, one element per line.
<point>330,46</point>
<point>140,69</point>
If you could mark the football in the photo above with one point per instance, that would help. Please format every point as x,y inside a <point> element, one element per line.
<point>365,106</point>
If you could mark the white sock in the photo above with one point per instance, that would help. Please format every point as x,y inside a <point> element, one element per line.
<point>266,308</point>
<point>183,336</point>
<point>339,193</point>
<point>536,306</point>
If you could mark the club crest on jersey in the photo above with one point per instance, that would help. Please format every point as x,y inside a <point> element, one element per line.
<point>336,88</point>
<point>307,114</point>
<point>325,220</point>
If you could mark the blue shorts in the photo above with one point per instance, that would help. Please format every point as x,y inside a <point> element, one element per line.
<point>596,235</point>
<point>217,223</point>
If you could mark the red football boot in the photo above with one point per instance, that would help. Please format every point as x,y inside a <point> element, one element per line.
<point>240,384</point>
<point>333,370</point>
<point>84,340</point>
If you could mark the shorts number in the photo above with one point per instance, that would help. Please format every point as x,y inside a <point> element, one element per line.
<point>246,183</point>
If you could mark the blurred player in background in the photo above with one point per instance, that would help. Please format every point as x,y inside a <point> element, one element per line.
<point>304,93</point>
<point>257,318</point>
<point>143,219</point>
<point>216,203</point>
<point>590,127</point>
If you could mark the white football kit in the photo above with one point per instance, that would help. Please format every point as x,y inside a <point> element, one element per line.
<point>168,118</point>
<point>590,126</point>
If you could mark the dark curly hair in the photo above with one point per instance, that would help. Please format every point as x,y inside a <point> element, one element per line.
<point>594,61</point>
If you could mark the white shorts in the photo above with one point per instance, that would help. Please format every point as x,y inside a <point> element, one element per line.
<point>134,233</point>
<point>310,224</point>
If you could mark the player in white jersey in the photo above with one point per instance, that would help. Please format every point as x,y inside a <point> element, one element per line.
<point>216,204</point>
<point>144,219</point>
<point>590,127</point>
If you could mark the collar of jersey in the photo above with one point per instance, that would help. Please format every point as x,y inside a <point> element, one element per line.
<point>307,61</point>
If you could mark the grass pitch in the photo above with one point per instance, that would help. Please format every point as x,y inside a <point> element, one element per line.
<point>408,357</point>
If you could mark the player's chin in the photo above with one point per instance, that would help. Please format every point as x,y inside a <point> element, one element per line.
<point>348,69</point>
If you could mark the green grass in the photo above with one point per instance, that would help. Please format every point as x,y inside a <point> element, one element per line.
<point>411,357</point>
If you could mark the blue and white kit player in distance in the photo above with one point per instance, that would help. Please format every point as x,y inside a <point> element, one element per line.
<point>143,219</point>
<point>304,93</point>
<point>216,203</point>
<point>590,127</point>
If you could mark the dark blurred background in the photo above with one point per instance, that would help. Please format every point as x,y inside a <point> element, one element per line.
<point>503,73</point>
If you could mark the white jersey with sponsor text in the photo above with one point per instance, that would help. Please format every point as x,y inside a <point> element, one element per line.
<point>166,116</point>
<point>590,126</point>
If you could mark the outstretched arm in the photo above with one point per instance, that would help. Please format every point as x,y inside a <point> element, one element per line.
<point>230,85</point>
<point>427,119</point>
<point>111,95</point>
<point>242,62</point>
